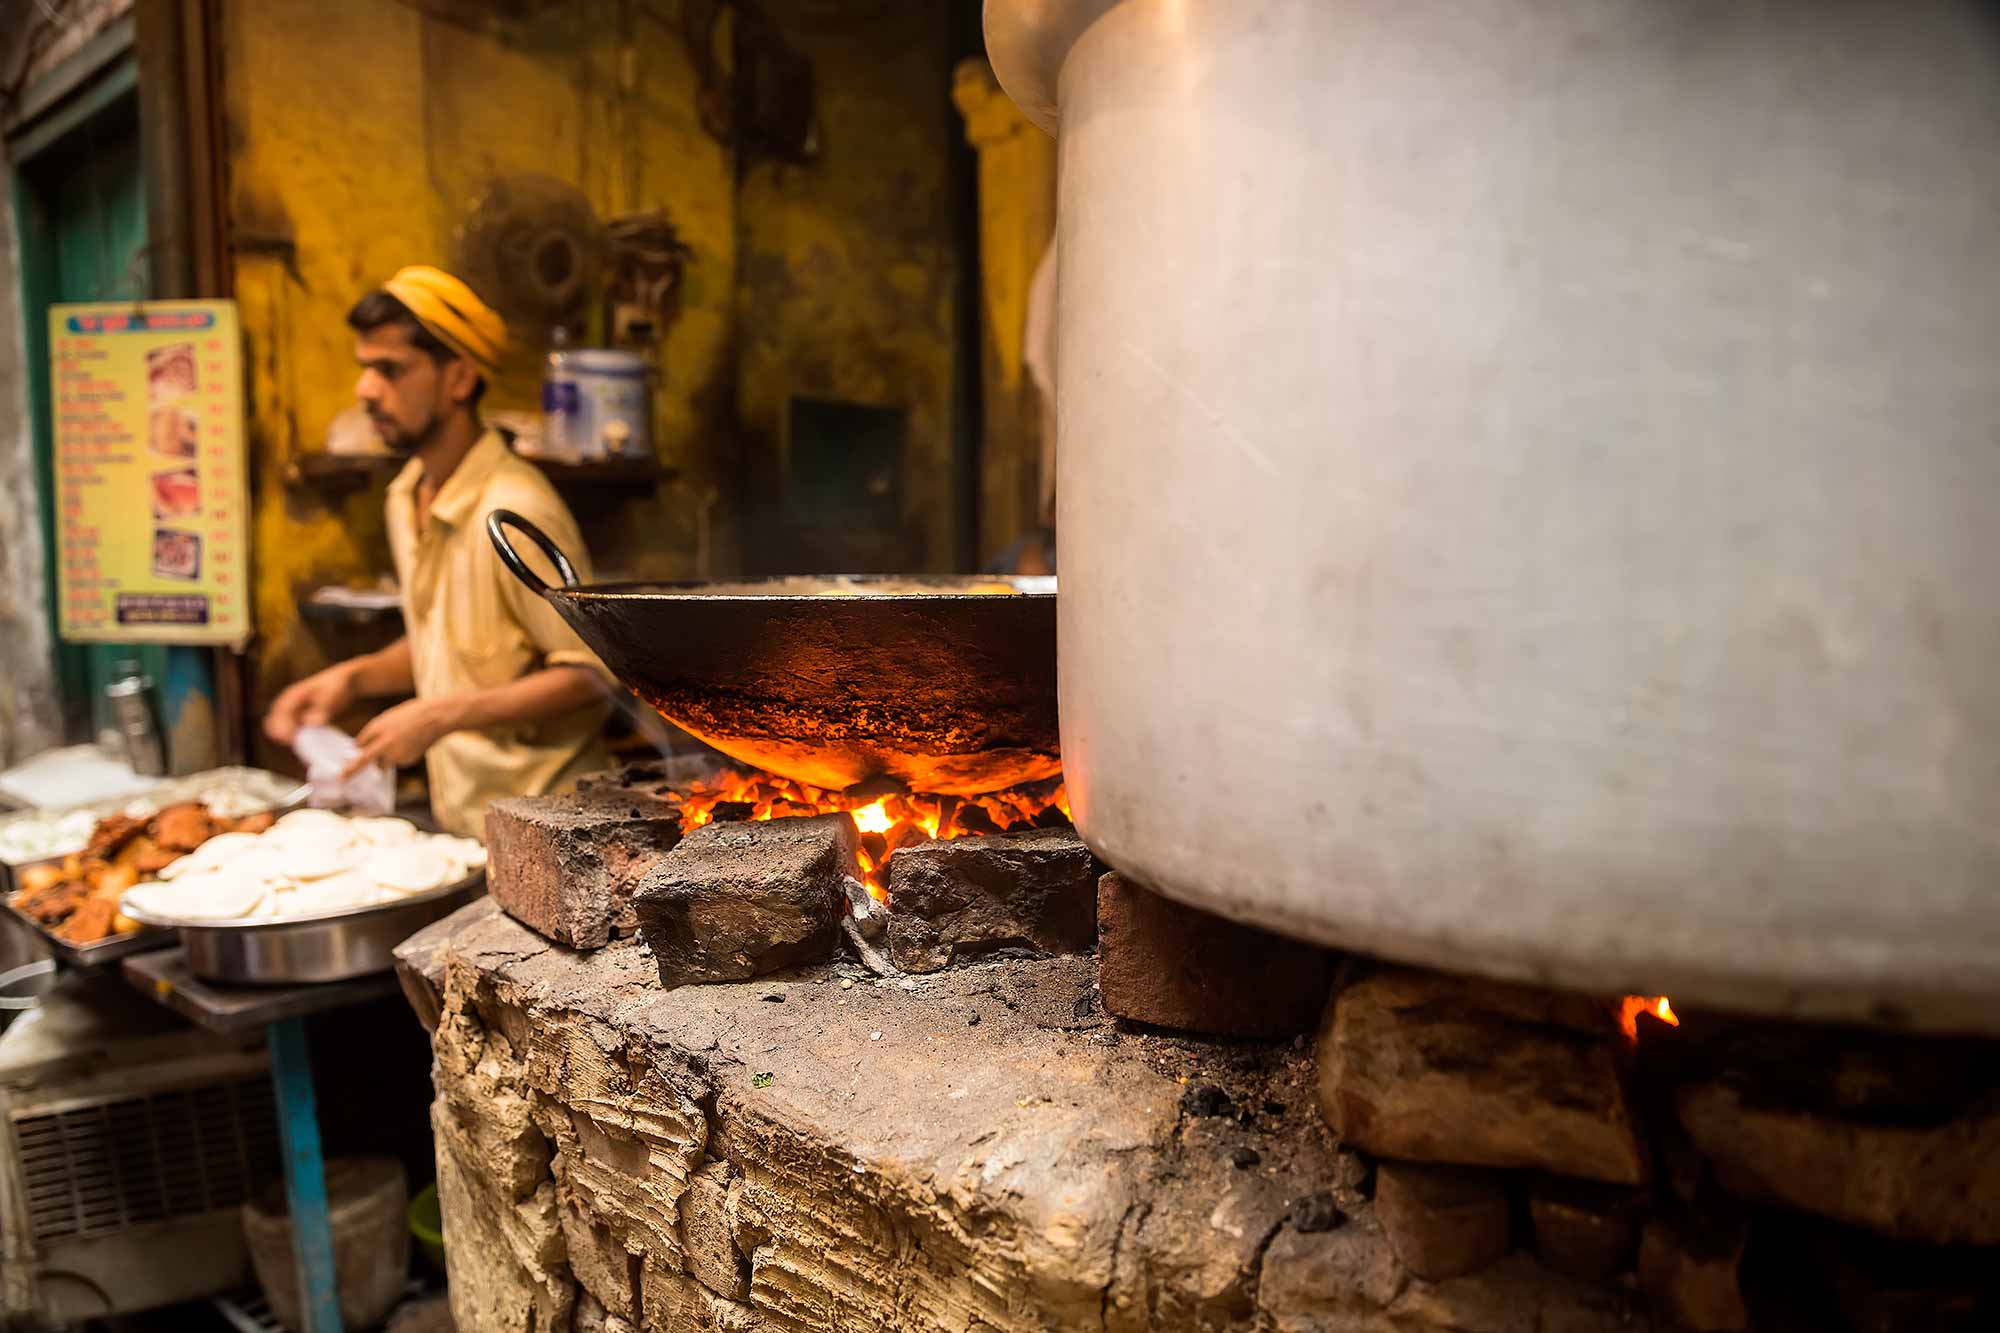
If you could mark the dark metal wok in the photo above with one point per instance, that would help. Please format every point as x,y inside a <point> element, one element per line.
<point>946,684</point>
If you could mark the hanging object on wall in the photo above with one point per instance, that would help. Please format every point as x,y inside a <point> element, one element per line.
<point>643,293</point>
<point>535,249</point>
<point>756,93</point>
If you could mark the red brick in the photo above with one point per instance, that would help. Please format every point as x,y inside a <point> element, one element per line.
<point>568,865</point>
<point>1443,1221</point>
<point>735,901</point>
<point>1428,1067</point>
<point>1174,966</point>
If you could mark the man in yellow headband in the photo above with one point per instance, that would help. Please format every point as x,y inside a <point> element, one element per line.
<point>508,700</point>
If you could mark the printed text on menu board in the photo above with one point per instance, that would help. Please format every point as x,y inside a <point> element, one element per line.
<point>149,466</point>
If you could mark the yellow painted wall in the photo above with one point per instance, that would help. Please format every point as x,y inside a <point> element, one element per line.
<point>846,267</point>
<point>357,135</point>
<point>1017,222</point>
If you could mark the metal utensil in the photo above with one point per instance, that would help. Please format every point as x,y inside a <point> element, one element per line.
<point>331,946</point>
<point>947,684</point>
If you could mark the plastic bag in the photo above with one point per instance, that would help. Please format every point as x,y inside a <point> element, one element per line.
<point>325,751</point>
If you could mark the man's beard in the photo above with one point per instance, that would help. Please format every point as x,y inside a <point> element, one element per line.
<point>404,443</point>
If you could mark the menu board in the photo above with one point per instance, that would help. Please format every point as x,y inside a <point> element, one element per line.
<point>151,515</point>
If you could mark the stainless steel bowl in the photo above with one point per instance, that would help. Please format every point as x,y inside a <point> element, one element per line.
<point>331,947</point>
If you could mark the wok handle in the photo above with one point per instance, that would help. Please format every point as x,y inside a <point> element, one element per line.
<point>501,519</point>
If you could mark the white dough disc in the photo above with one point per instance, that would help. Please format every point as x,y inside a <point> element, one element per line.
<point>317,857</point>
<point>325,823</point>
<point>384,830</point>
<point>335,893</point>
<point>415,867</point>
<point>207,896</point>
<point>218,850</point>
<point>467,854</point>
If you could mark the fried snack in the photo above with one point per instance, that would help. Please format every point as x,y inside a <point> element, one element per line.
<point>151,858</point>
<point>113,881</point>
<point>90,922</point>
<point>78,898</point>
<point>35,879</point>
<point>182,828</point>
<point>111,835</point>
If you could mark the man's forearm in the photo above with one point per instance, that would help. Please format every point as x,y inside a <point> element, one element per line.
<point>550,692</point>
<point>389,671</point>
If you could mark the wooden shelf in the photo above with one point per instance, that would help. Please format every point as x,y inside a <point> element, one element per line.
<point>341,474</point>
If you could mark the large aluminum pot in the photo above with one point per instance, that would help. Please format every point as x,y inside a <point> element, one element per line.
<point>1530,480</point>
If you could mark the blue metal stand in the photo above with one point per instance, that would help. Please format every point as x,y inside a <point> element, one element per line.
<point>305,1176</point>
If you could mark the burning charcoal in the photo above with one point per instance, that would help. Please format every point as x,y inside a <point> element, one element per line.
<point>567,866</point>
<point>738,900</point>
<point>732,812</point>
<point>1690,1268</point>
<point>950,901</point>
<point>1206,1099</point>
<point>1583,1229</point>
<point>1315,1213</point>
<point>1935,1181</point>
<point>900,836</point>
<point>1443,1221</point>
<point>1433,1068</point>
<point>974,819</point>
<point>1169,965</point>
<point>876,845</point>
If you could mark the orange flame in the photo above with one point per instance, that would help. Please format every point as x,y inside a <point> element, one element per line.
<point>886,825</point>
<point>1656,1005</point>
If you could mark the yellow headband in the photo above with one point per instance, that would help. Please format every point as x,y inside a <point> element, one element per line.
<point>452,311</point>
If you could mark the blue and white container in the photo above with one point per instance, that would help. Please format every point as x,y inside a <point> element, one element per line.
<point>596,403</point>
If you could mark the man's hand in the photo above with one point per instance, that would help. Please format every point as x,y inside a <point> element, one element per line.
<point>312,702</point>
<point>400,736</point>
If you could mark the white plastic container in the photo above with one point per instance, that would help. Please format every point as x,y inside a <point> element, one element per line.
<point>596,403</point>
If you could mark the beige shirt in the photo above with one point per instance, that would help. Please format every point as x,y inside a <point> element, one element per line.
<point>472,625</point>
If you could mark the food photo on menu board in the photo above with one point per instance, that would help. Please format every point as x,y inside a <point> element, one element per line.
<point>176,493</point>
<point>151,482</point>
<point>176,555</point>
<point>170,373</point>
<point>174,432</point>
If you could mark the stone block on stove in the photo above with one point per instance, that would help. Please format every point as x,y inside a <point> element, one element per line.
<point>1028,890</point>
<point>420,960</point>
<point>1582,1228</point>
<point>1690,1267</point>
<point>1166,964</point>
<point>1936,1182</point>
<point>1443,1221</point>
<point>1434,1068</point>
<point>1883,1288</point>
<point>567,865</point>
<point>734,901</point>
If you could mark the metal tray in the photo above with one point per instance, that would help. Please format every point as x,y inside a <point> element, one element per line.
<point>294,795</point>
<point>97,953</point>
<point>332,947</point>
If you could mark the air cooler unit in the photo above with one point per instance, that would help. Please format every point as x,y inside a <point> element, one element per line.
<point>130,1141</point>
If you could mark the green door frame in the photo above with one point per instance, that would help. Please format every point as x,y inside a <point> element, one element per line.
<point>101,91</point>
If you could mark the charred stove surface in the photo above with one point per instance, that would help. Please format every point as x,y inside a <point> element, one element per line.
<point>980,1149</point>
<point>998,1146</point>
